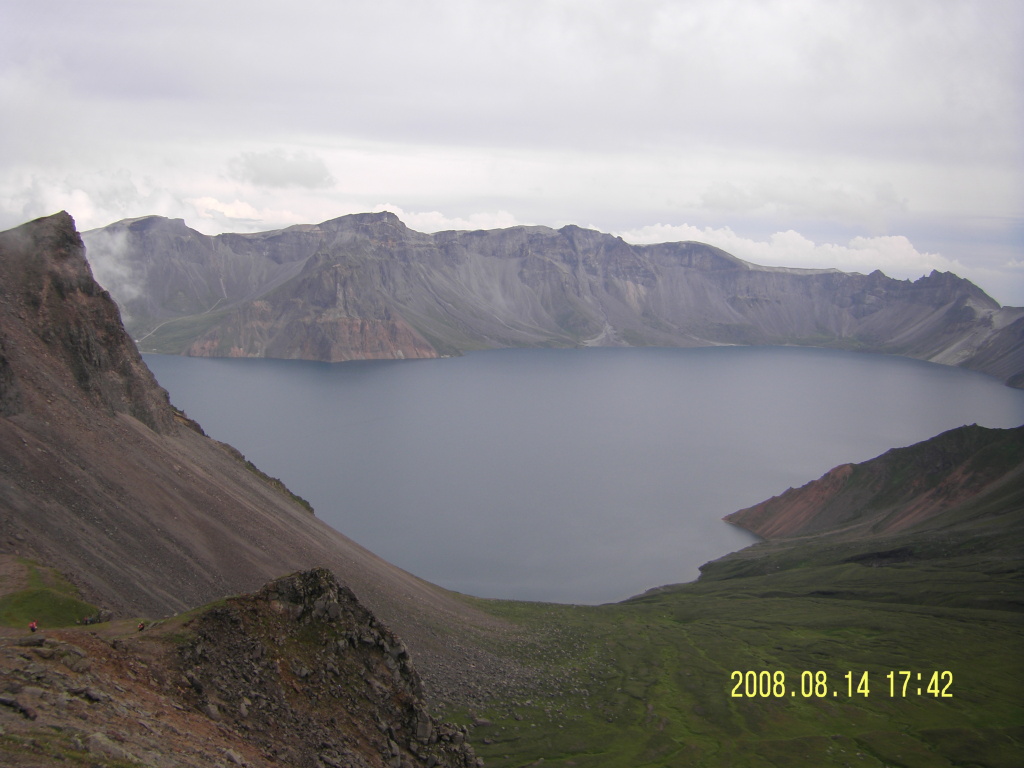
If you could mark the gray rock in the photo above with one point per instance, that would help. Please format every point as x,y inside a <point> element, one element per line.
<point>424,728</point>
<point>76,663</point>
<point>17,706</point>
<point>95,696</point>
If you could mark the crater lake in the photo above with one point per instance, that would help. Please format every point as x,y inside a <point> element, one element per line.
<point>570,475</point>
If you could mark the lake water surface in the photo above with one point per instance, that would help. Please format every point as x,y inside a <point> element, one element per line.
<point>579,476</point>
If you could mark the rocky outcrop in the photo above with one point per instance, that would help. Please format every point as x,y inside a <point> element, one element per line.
<point>366,286</point>
<point>912,488</point>
<point>299,674</point>
<point>305,672</point>
<point>48,290</point>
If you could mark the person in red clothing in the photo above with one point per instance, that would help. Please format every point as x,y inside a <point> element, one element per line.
<point>32,625</point>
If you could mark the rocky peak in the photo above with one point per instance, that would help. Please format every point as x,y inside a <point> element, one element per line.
<point>159,223</point>
<point>582,238</point>
<point>944,287</point>
<point>148,229</point>
<point>375,225</point>
<point>304,671</point>
<point>50,296</point>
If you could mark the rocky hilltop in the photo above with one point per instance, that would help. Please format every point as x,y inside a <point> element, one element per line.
<point>103,479</point>
<point>366,286</point>
<point>943,520</point>
<point>917,487</point>
<point>298,674</point>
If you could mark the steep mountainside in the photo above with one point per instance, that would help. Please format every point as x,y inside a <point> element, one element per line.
<point>100,477</point>
<point>366,286</point>
<point>924,486</point>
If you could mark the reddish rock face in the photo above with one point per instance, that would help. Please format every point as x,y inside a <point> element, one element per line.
<point>798,510</point>
<point>323,339</point>
<point>902,489</point>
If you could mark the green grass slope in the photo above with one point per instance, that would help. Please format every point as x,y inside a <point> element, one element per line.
<point>902,650</point>
<point>48,598</point>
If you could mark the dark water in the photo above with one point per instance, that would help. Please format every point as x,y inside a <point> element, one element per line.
<point>568,475</point>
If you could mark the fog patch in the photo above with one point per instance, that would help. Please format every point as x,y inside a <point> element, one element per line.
<point>107,254</point>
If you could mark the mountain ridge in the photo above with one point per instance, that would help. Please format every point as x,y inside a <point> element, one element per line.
<point>365,286</point>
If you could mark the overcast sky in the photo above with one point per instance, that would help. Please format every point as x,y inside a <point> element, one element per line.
<point>859,134</point>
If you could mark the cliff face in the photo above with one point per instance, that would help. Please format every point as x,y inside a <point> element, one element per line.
<point>52,306</point>
<point>104,480</point>
<point>366,286</point>
<point>915,488</point>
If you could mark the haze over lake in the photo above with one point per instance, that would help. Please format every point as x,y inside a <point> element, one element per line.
<point>580,476</point>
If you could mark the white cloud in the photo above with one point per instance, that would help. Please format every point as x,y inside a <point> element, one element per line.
<point>869,205</point>
<point>237,213</point>
<point>839,119</point>
<point>93,197</point>
<point>894,255</point>
<point>278,168</point>
<point>906,79</point>
<point>435,221</point>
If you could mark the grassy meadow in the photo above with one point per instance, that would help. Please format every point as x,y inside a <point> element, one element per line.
<point>651,681</point>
